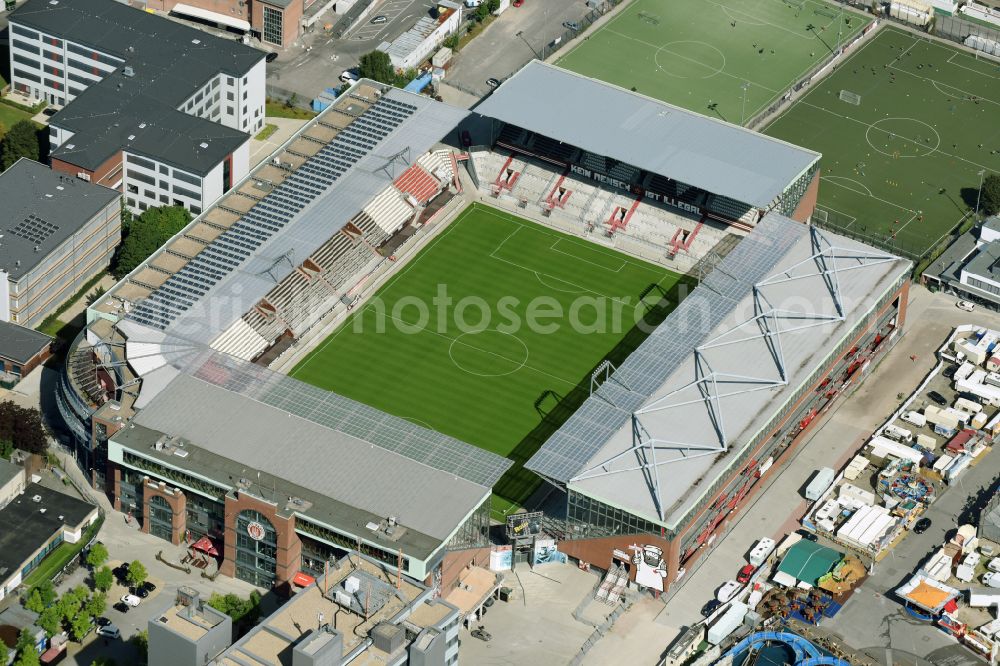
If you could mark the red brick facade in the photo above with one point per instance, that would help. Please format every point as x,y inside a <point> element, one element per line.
<point>289,548</point>
<point>807,204</point>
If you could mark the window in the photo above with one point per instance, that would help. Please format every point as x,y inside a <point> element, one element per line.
<point>161,518</point>
<point>25,60</point>
<point>141,177</point>
<point>256,548</point>
<point>164,170</point>
<point>21,74</point>
<point>191,180</point>
<point>130,201</point>
<point>164,199</point>
<point>143,162</point>
<point>272,27</point>
<point>229,109</point>
<point>195,210</point>
<point>133,189</point>
<point>54,56</point>
<point>149,194</point>
<point>186,193</point>
<point>244,95</point>
<point>230,96</point>
<point>25,46</point>
<point>142,205</point>
<point>24,32</point>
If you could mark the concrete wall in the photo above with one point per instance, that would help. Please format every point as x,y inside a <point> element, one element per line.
<point>11,489</point>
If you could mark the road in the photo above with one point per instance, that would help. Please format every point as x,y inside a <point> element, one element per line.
<point>498,52</point>
<point>316,60</point>
<point>644,633</point>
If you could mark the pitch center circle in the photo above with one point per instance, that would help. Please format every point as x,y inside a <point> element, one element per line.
<point>488,353</point>
<point>687,54</point>
<point>902,137</point>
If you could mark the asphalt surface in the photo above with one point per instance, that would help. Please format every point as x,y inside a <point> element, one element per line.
<point>498,52</point>
<point>316,60</point>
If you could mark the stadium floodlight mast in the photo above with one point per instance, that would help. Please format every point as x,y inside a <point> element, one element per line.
<point>979,195</point>
<point>743,114</point>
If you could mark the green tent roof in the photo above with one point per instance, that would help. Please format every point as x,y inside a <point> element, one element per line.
<point>808,562</point>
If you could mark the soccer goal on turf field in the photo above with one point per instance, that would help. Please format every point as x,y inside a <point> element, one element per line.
<point>795,4</point>
<point>649,18</point>
<point>850,97</point>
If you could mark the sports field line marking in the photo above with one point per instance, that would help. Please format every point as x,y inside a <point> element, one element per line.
<point>726,8</point>
<point>535,226</point>
<point>885,201</point>
<point>350,318</point>
<point>877,129</point>
<point>553,248</point>
<point>556,277</point>
<point>838,212</point>
<point>454,341</point>
<point>974,71</point>
<point>867,191</point>
<point>935,83</point>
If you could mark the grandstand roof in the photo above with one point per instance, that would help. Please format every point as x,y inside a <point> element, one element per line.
<point>713,155</point>
<point>294,218</point>
<point>358,471</point>
<point>711,377</point>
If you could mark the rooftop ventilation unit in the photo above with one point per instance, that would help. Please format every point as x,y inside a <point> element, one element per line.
<point>203,144</point>
<point>196,41</point>
<point>128,71</point>
<point>131,137</point>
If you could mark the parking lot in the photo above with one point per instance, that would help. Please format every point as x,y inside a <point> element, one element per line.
<point>645,632</point>
<point>500,50</point>
<point>392,10</point>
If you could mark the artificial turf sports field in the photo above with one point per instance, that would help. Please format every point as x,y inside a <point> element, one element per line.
<point>902,167</point>
<point>697,53</point>
<point>495,382</point>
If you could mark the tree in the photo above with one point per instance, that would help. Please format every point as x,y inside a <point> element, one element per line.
<point>103,579</point>
<point>4,653</point>
<point>20,141</point>
<point>140,640</point>
<point>377,65</point>
<point>6,448</point>
<point>146,234</point>
<point>236,607</point>
<point>79,627</point>
<point>137,574</point>
<point>34,602</point>
<point>989,196</point>
<point>493,5</point>
<point>98,555</point>
<point>27,653</point>
<point>96,604</point>
<point>51,620</point>
<point>22,426</point>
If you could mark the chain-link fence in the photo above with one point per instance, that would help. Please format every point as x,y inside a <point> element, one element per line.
<point>956,29</point>
<point>580,26</point>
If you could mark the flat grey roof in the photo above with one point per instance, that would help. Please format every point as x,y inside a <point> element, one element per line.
<point>24,527</point>
<point>661,138</point>
<point>8,471</point>
<point>170,60</point>
<point>244,263</point>
<point>20,344</point>
<point>986,262</point>
<point>341,464</point>
<point>593,451</point>
<point>43,208</point>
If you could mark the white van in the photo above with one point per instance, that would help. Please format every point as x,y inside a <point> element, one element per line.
<point>914,418</point>
<point>348,76</point>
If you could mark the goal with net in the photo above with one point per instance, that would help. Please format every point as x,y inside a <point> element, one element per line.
<point>850,97</point>
<point>649,18</point>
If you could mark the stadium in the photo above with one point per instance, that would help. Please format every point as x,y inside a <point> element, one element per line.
<point>225,389</point>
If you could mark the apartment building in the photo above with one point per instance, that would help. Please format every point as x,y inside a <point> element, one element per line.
<point>182,103</point>
<point>59,233</point>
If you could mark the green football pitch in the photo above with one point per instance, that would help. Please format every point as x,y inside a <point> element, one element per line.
<point>490,335</point>
<point>701,54</point>
<point>902,167</point>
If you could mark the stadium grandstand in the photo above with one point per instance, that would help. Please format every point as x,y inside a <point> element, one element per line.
<point>676,438</point>
<point>174,421</point>
<point>613,162</point>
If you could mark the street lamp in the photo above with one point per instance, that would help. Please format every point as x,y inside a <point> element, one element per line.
<point>745,86</point>
<point>979,194</point>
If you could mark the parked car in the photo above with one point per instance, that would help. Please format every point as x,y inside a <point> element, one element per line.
<point>481,634</point>
<point>140,591</point>
<point>493,83</point>
<point>271,57</point>
<point>131,600</point>
<point>348,76</point>
<point>518,3</point>
<point>120,572</point>
<point>149,587</point>
<point>571,25</point>
<point>109,631</point>
<point>994,564</point>
<point>992,579</point>
<point>121,606</point>
<point>378,20</point>
<point>728,590</point>
<point>807,535</point>
<point>102,621</point>
<point>949,372</point>
<point>921,525</point>
<point>743,577</point>
<point>965,305</point>
<point>710,607</point>
<point>938,398</point>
